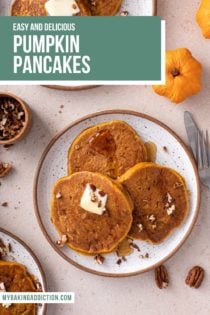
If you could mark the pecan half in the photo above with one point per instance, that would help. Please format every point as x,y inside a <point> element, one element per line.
<point>161,277</point>
<point>99,259</point>
<point>195,277</point>
<point>5,168</point>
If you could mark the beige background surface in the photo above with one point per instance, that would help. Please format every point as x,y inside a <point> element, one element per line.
<point>97,295</point>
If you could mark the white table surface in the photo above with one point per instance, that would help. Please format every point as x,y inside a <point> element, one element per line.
<point>98,295</point>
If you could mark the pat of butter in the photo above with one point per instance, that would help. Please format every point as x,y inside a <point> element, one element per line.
<point>62,7</point>
<point>93,200</point>
<point>3,289</point>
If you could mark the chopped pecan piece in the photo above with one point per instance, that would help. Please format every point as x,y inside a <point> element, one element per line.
<point>60,243</point>
<point>161,277</point>
<point>124,13</point>
<point>39,287</point>
<point>195,277</point>
<point>58,195</point>
<point>4,204</point>
<point>135,246</point>
<point>99,259</point>
<point>119,261</point>
<point>5,168</point>
<point>5,249</point>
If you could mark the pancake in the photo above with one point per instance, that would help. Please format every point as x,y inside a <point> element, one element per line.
<point>37,8</point>
<point>105,7</point>
<point>85,231</point>
<point>110,148</point>
<point>160,200</point>
<point>87,7</point>
<point>15,278</point>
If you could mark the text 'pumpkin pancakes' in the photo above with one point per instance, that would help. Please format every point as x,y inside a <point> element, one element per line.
<point>160,200</point>
<point>81,7</point>
<point>15,278</point>
<point>106,220</point>
<point>110,148</point>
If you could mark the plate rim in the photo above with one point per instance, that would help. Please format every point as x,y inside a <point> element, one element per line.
<point>19,240</point>
<point>93,115</point>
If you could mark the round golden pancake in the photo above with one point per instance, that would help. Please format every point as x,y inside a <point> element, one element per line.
<point>110,148</point>
<point>88,232</point>
<point>15,278</point>
<point>160,200</point>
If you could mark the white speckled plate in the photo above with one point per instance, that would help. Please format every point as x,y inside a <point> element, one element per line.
<point>134,7</point>
<point>21,253</point>
<point>53,165</point>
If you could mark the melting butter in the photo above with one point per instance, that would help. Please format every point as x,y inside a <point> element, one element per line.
<point>93,200</point>
<point>61,7</point>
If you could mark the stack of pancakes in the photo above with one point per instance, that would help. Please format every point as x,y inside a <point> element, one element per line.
<point>87,7</point>
<point>14,277</point>
<point>145,201</point>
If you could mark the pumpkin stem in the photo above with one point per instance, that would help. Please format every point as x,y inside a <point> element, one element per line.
<point>175,72</point>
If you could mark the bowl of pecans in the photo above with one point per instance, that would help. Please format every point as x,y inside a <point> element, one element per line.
<point>15,119</point>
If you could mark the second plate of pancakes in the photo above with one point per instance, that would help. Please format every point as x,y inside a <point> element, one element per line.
<point>171,152</point>
<point>19,263</point>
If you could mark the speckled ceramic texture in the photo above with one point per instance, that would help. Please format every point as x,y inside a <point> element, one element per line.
<point>138,7</point>
<point>21,254</point>
<point>54,166</point>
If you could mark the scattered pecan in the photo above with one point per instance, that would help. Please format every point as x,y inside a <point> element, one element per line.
<point>39,287</point>
<point>64,239</point>
<point>5,249</point>
<point>195,277</point>
<point>4,204</point>
<point>99,259</point>
<point>140,226</point>
<point>161,277</point>
<point>58,195</point>
<point>5,168</point>
<point>151,218</point>
<point>93,187</point>
<point>7,146</point>
<point>124,13</point>
<point>135,246</point>
<point>177,185</point>
<point>93,3</point>
<point>144,256</point>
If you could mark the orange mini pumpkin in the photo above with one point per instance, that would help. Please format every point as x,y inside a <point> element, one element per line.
<point>203,17</point>
<point>183,76</point>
